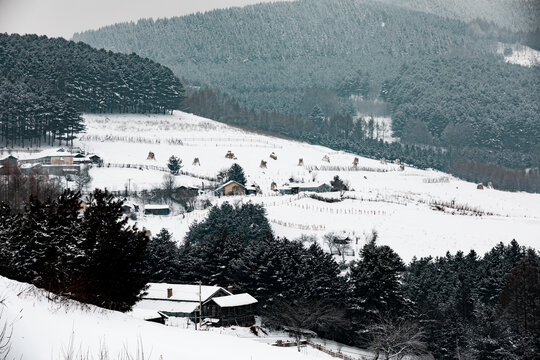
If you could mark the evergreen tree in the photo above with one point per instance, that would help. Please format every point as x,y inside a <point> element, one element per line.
<point>174,165</point>
<point>114,254</point>
<point>162,258</point>
<point>374,285</point>
<point>236,173</point>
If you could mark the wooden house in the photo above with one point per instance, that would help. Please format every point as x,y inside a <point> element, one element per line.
<point>157,210</point>
<point>236,309</point>
<point>167,303</point>
<point>231,188</point>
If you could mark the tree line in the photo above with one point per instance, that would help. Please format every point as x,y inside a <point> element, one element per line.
<point>45,84</point>
<point>506,169</point>
<point>455,304</point>
<point>482,307</point>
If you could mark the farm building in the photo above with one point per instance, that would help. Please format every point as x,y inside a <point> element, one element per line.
<point>129,207</point>
<point>295,188</point>
<point>51,157</point>
<point>166,303</point>
<point>231,188</point>
<point>157,210</point>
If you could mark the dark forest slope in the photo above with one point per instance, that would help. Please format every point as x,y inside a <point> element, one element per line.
<point>268,55</point>
<point>46,83</point>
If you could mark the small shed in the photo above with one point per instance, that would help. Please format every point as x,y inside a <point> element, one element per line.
<point>95,159</point>
<point>231,188</point>
<point>295,188</point>
<point>157,210</point>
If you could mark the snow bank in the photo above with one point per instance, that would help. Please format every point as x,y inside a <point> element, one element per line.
<point>44,329</point>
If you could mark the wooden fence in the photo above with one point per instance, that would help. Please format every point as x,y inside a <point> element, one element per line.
<point>333,353</point>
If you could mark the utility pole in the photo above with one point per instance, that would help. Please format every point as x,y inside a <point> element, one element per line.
<point>200,305</point>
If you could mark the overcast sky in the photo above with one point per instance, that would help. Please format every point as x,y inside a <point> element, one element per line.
<point>65,17</point>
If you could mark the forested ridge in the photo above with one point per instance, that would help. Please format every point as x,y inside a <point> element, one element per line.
<point>45,84</point>
<point>298,68</point>
<point>517,15</point>
<point>269,55</point>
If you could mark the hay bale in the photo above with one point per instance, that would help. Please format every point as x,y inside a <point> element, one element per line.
<point>196,162</point>
<point>383,161</point>
<point>480,186</point>
<point>401,167</point>
<point>273,186</point>
<point>273,156</point>
<point>397,162</point>
<point>230,155</point>
<point>263,164</point>
<point>355,162</point>
<point>151,156</point>
<point>490,186</point>
<point>326,158</point>
<point>301,162</point>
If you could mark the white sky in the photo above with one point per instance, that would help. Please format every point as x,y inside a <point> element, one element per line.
<point>65,17</point>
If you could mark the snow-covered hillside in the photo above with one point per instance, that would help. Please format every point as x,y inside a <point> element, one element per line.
<point>519,54</point>
<point>416,212</point>
<point>45,329</point>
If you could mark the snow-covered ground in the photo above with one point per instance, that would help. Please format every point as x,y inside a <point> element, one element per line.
<point>520,54</point>
<point>402,206</point>
<point>399,205</point>
<point>44,329</point>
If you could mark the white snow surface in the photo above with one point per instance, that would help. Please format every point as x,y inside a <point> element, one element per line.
<point>521,55</point>
<point>45,329</point>
<point>235,300</point>
<point>399,205</point>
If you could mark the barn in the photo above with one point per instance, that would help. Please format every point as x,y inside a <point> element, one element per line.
<point>157,210</point>
<point>231,188</point>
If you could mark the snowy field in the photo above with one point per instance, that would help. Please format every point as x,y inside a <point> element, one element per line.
<point>521,55</point>
<point>44,329</point>
<point>416,212</point>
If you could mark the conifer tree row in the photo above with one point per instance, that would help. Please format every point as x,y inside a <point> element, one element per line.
<point>45,84</point>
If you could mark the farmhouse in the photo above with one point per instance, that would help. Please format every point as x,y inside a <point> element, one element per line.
<point>231,188</point>
<point>51,157</point>
<point>166,303</point>
<point>295,188</point>
<point>157,210</point>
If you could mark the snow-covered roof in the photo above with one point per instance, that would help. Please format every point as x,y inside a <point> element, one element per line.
<point>181,292</point>
<point>156,207</point>
<point>186,307</point>
<point>4,157</point>
<point>48,152</point>
<point>228,183</point>
<point>235,300</point>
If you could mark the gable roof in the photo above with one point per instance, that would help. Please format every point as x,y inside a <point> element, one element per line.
<point>235,300</point>
<point>228,183</point>
<point>181,292</point>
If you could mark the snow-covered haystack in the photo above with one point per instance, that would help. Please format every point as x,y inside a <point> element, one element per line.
<point>44,328</point>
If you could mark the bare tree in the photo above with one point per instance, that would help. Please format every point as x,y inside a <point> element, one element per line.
<point>83,178</point>
<point>5,334</point>
<point>395,339</point>
<point>337,243</point>
<point>168,185</point>
<point>300,317</point>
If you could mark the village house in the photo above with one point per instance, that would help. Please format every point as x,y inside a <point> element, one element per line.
<point>295,188</point>
<point>231,188</point>
<point>50,157</point>
<point>157,210</point>
<point>169,303</point>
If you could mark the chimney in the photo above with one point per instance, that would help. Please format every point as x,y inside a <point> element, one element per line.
<point>230,289</point>
<point>169,292</point>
